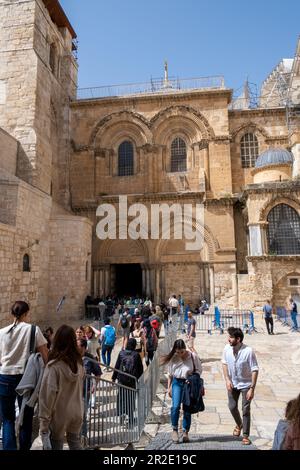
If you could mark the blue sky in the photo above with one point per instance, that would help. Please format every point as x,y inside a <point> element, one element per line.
<point>127,41</point>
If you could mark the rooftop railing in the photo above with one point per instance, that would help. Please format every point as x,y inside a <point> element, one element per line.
<point>172,85</point>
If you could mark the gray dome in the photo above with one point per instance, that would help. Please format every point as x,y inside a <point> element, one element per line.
<point>274,156</point>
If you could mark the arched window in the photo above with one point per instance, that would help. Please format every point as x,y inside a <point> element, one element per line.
<point>26,263</point>
<point>125,159</point>
<point>249,150</point>
<point>283,231</point>
<point>178,155</point>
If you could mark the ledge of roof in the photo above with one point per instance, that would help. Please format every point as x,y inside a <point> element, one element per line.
<point>58,16</point>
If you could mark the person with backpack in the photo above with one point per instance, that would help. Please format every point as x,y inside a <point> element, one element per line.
<point>15,348</point>
<point>107,341</point>
<point>151,341</point>
<point>181,365</point>
<point>128,364</point>
<point>124,324</point>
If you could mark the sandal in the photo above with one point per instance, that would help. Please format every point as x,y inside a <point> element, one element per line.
<point>246,441</point>
<point>237,431</point>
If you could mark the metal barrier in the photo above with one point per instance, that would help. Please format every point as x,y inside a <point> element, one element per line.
<point>110,414</point>
<point>287,318</point>
<point>223,319</point>
<point>119,413</point>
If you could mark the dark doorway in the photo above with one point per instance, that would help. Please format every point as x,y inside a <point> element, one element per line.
<point>128,279</point>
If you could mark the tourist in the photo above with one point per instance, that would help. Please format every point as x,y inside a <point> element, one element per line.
<point>292,438</point>
<point>102,308</point>
<point>79,332</point>
<point>138,335</point>
<point>60,398</point>
<point>181,313</point>
<point>91,335</point>
<point>151,341</point>
<point>14,353</point>
<point>91,368</point>
<point>165,311</point>
<point>240,371</point>
<point>191,332</point>
<point>268,311</point>
<point>128,370</point>
<point>48,334</point>
<point>282,426</point>
<point>181,364</point>
<point>294,312</point>
<point>107,340</point>
<point>124,324</point>
<point>174,305</point>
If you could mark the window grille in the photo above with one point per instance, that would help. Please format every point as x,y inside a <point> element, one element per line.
<point>125,159</point>
<point>283,231</point>
<point>249,150</point>
<point>178,155</point>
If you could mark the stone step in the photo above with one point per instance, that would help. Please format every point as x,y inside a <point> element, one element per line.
<point>163,441</point>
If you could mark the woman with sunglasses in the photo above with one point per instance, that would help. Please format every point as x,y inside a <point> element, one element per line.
<point>181,364</point>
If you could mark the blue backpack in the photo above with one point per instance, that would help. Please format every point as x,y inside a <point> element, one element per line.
<point>110,336</point>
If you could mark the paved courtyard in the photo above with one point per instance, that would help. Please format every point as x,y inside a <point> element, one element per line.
<point>279,381</point>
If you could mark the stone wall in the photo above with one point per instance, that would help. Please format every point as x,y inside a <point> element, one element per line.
<point>69,265</point>
<point>8,153</point>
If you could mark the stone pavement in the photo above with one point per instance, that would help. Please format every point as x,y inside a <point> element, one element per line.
<point>278,381</point>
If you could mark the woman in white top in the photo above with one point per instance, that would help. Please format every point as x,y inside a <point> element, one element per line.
<point>181,364</point>
<point>14,352</point>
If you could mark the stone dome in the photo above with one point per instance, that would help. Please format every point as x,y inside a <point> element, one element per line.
<point>274,156</point>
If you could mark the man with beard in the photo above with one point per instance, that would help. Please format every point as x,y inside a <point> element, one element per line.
<point>240,371</point>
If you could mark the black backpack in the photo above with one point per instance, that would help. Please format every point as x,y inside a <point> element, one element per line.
<point>128,366</point>
<point>124,322</point>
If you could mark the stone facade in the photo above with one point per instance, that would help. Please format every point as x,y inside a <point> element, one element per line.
<point>59,162</point>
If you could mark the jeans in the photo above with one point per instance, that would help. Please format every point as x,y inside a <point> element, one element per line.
<point>8,395</point>
<point>106,354</point>
<point>294,320</point>
<point>269,322</point>
<point>233,398</point>
<point>177,393</point>
<point>166,326</point>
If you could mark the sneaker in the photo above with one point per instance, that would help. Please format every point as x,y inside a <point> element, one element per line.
<point>185,437</point>
<point>175,437</point>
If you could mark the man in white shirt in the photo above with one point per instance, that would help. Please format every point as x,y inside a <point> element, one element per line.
<point>174,305</point>
<point>240,371</point>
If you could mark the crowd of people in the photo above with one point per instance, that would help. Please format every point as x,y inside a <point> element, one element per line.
<point>48,368</point>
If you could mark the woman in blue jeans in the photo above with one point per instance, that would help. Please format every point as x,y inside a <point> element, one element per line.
<point>181,364</point>
<point>14,352</point>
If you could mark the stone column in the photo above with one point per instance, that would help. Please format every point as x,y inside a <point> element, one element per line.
<point>212,284</point>
<point>157,285</point>
<point>206,166</point>
<point>101,282</point>
<point>255,240</point>
<point>148,291</point>
<point>94,282</point>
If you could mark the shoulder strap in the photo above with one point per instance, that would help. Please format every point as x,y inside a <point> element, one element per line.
<point>32,339</point>
<point>194,368</point>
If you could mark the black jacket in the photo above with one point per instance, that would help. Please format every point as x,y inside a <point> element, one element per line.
<point>138,366</point>
<point>192,394</point>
